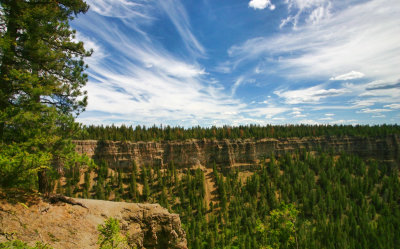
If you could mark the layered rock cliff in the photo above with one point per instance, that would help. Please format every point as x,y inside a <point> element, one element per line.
<point>233,152</point>
<point>62,225</point>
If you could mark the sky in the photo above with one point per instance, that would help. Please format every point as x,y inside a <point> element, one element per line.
<point>239,62</point>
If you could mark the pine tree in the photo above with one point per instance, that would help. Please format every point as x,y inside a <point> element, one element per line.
<point>41,77</point>
<point>133,192</point>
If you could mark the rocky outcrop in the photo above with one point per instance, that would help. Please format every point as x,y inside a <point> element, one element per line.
<point>232,152</point>
<point>72,226</point>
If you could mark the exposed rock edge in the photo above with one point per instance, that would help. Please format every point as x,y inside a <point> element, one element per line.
<point>233,152</point>
<point>64,225</point>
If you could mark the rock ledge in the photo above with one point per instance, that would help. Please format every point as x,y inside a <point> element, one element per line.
<point>62,225</point>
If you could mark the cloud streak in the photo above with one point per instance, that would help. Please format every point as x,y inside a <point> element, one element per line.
<point>348,76</point>
<point>133,80</point>
<point>152,65</point>
<point>308,95</point>
<point>360,38</point>
<point>314,10</point>
<point>178,16</point>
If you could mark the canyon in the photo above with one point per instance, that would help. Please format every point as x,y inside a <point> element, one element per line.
<point>241,153</point>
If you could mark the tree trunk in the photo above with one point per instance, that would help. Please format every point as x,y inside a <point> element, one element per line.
<point>44,186</point>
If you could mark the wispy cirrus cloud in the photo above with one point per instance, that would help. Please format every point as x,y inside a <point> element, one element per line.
<point>160,62</point>
<point>312,11</point>
<point>266,112</point>
<point>360,38</point>
<point>134,79</point>
<point>237,83</point>
<point>393,106</point>
<point>368,110</point>
<point>308,95</point>
<point>348,76</point>
<point>351,50</point>
<point>119,8</point>
<point>140,81</point>
<point>178,16</point>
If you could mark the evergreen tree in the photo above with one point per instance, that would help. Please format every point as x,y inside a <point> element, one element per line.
<point>41,76</point>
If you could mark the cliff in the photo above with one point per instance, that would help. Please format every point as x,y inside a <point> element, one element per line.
<point>226,153</point>
<point>29,218</point>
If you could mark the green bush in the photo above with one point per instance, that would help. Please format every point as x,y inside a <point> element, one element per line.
<point>110,236</point>
<point>17,244</point>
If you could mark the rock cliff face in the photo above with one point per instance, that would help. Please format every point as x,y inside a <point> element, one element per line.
<point>71,226</point>
<point>228,153</point>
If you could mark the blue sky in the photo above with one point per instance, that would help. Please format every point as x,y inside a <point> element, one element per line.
<point>216,62</point>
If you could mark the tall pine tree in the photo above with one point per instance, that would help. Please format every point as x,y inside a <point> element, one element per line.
<point>42,75</point>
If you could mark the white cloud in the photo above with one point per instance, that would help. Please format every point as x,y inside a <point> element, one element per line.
<point>342,121</point>
<point>266,112</point>
<point>313,11</point>
<point>304,4</point>
<point>318,14</point>
<point>348,76</point>
<point>359,38</point>
<point>308,121</point>
<point>177,14</point>
<point>368,110</point>
<point>118,8</point>
<point>308,95</point>
<point>90,44</point>
<point>236,85</point>
<point>328,116</point>
<point>261,4</point>
<point>393,106</point>
<point>363,103</point>
<point>296,113</point>
<point>223,68</point>
<point>257,70</point>
<point>383,94</point>
<point>143,82</point>
<point>134,78</point>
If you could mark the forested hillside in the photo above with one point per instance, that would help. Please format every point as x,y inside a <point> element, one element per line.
<point>300,200</point>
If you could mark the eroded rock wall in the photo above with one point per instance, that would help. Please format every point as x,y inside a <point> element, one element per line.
<point>232,152</point>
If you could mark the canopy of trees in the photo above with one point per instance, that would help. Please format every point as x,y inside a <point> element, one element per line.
<point>300,200</point>
<point>161,133</point>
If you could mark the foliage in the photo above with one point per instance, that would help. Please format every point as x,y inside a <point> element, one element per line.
<point>162,133</point>
<point>17,244</point>
<point>41,76</point>
<point>331,202</point>
<point>110,236</point>
<point>279,229</point>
